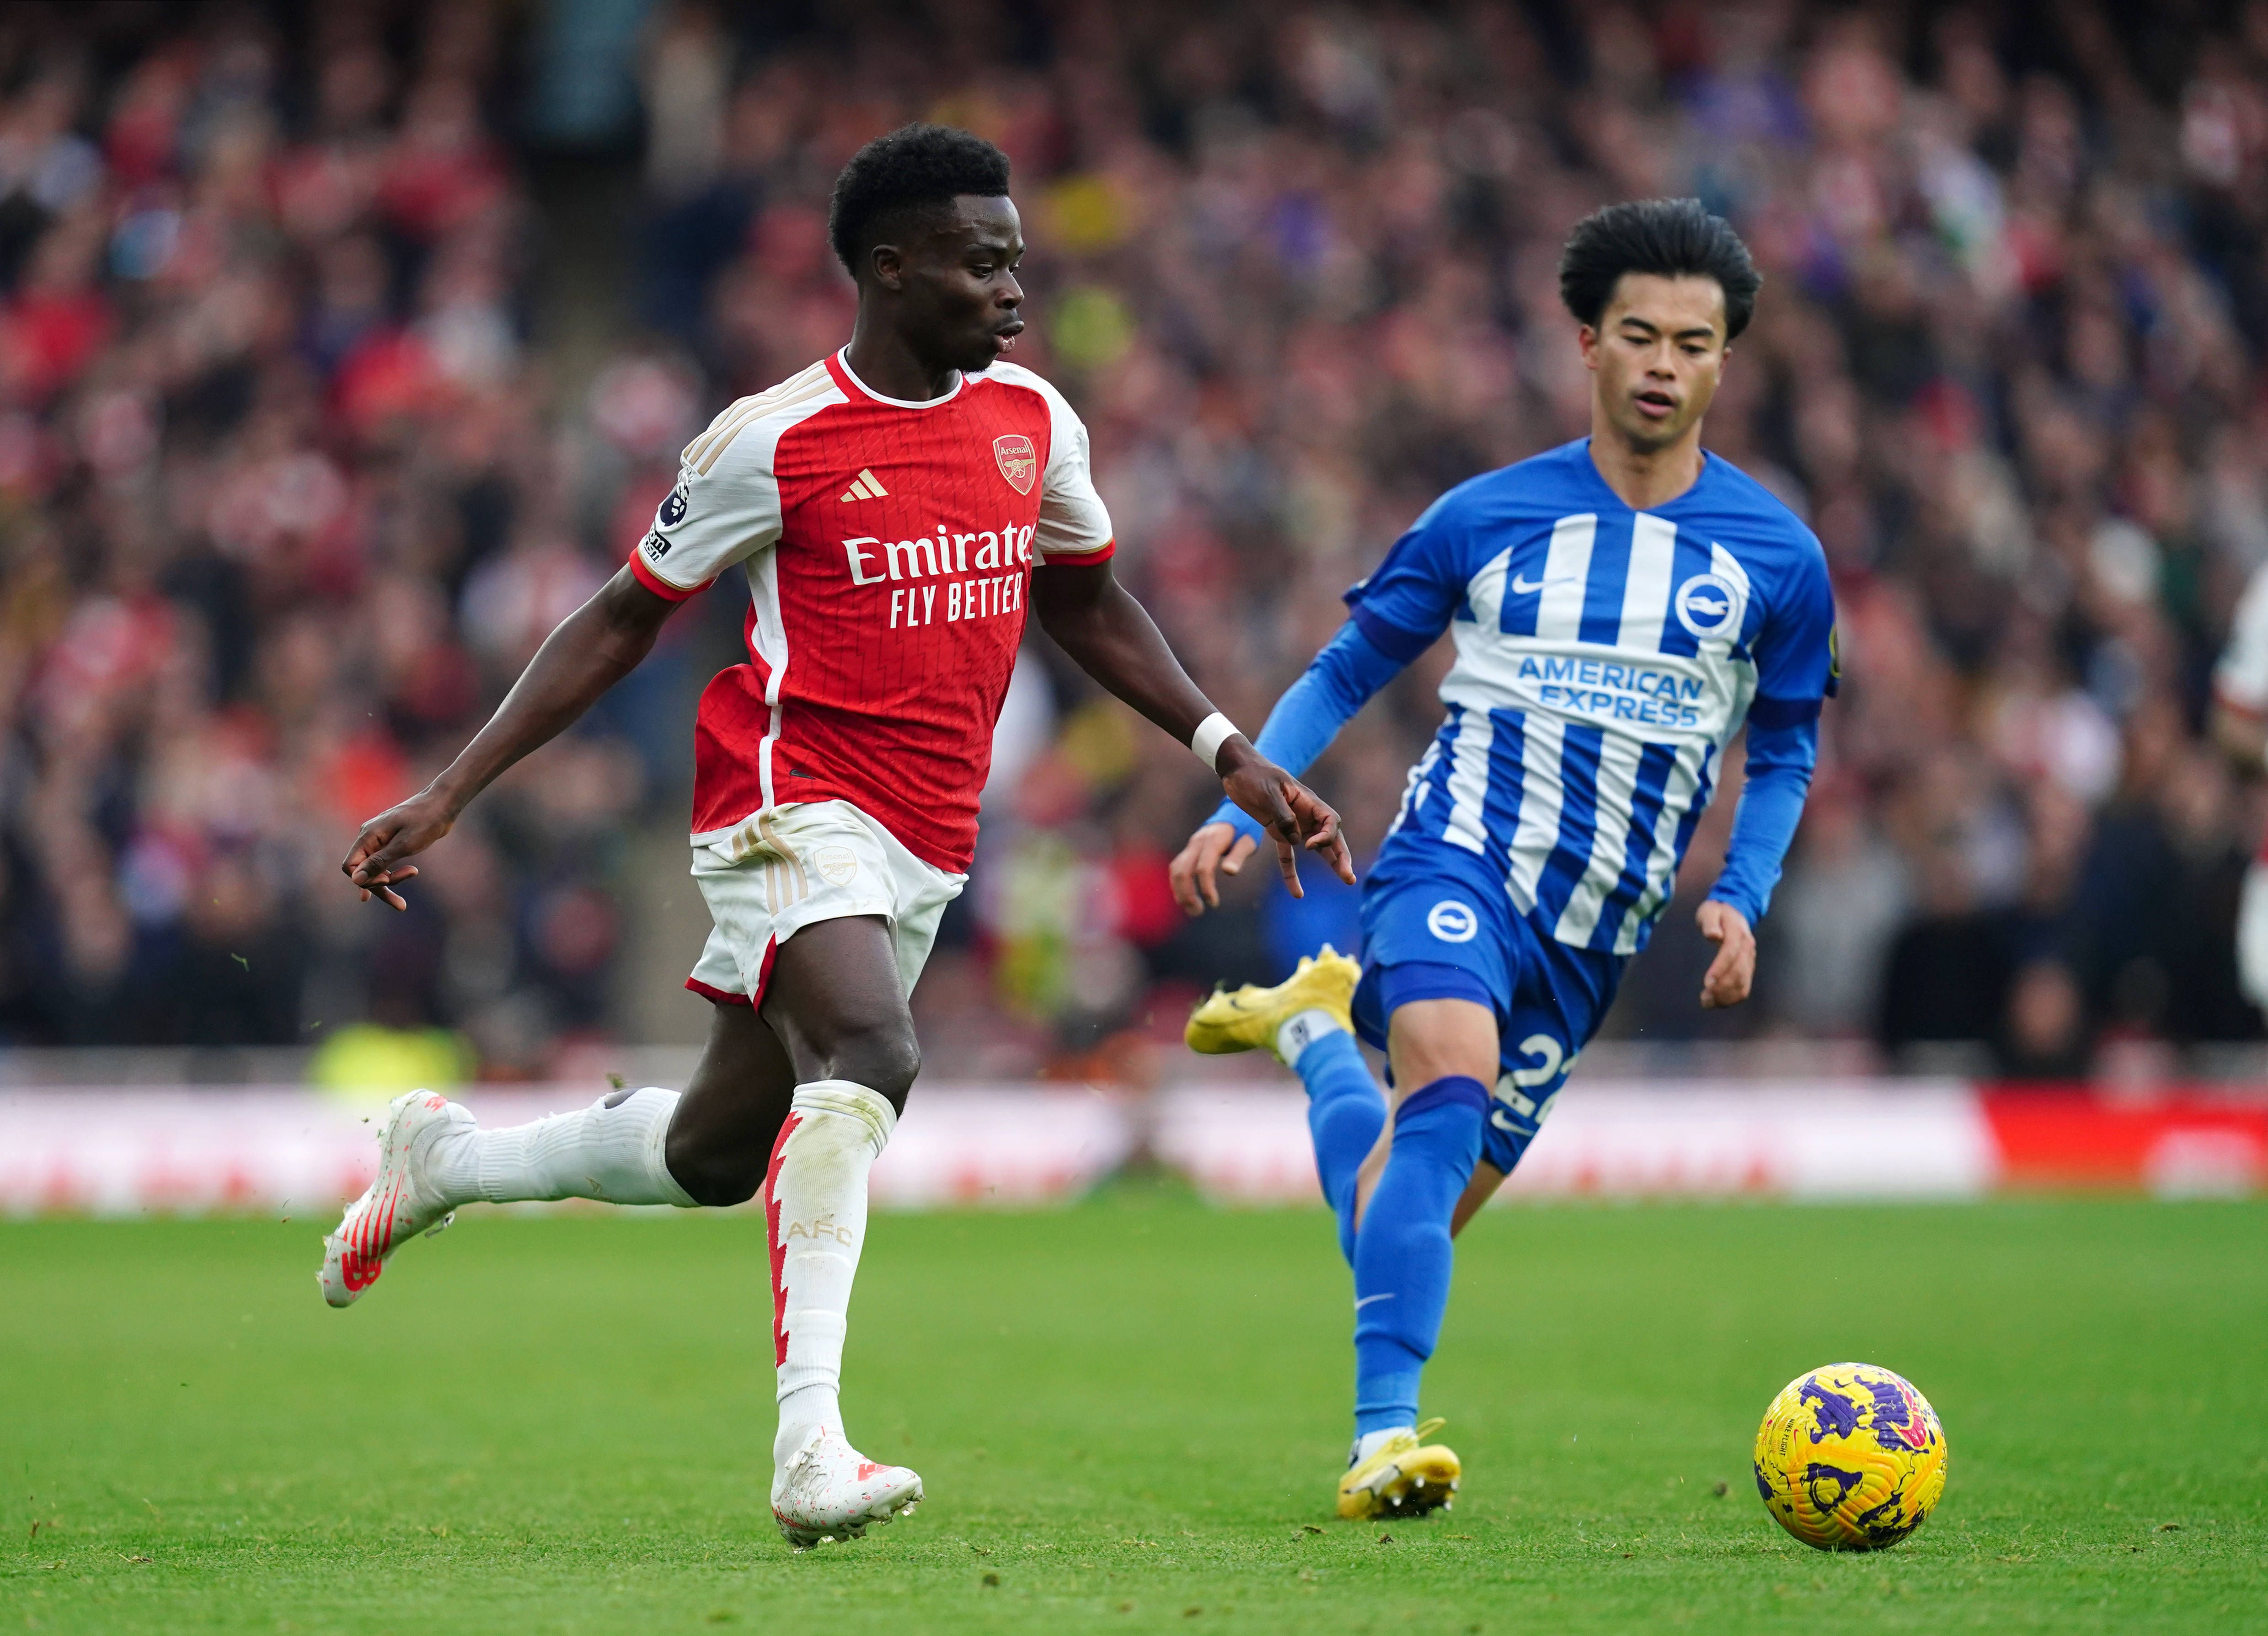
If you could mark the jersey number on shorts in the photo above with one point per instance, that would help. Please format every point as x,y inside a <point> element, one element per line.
<point>1513,1088</point>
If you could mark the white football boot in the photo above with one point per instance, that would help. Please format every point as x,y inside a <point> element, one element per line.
<point>828,1491</point>
<point>398,1205</point>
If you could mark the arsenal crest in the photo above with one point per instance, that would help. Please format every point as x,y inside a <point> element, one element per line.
<point>1020,464</point>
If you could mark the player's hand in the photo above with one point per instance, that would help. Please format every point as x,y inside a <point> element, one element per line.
<point>375,865</point>
<point>1293,816</point>
<point>1215,850</point>
<point>1734,969</point>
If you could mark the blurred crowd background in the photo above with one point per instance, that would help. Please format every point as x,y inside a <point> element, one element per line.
<point>345,349</point>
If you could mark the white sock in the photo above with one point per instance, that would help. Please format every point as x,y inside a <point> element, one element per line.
<point>1301,1030</point>
<point>1370,1442</point>
<point>611,1153</point>
<point>815,1219</point>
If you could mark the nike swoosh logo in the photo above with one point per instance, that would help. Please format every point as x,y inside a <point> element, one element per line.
<point>1367,1300</point>
<point>1524,586</point>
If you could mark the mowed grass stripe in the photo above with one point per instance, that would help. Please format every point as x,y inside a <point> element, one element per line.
<point>1123,1412</point>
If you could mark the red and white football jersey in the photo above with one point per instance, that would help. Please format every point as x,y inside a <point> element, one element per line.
<point>889,545</point>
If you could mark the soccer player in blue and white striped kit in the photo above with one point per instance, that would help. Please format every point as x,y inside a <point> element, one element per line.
<point>1621,606</point>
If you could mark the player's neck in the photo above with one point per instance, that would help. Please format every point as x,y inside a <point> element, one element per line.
<point>1646,478</point>
<point>887,363</point>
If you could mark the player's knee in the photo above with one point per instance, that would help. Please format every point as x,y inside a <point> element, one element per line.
<point>882,1055</point>
<point>1438,1039</point>
<point>711,1173</point>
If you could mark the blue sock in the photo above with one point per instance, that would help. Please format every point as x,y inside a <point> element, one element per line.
<point>1402,1256</point>
<point>1345,1112</point>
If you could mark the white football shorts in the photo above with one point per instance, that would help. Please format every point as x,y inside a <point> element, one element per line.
<point>791,865</point>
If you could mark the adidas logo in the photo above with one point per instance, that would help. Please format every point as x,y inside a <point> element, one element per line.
<point>869,487</point>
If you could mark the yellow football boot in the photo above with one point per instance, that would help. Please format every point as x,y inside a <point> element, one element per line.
<point>1407,1478</point>
<point>1247,1019</point>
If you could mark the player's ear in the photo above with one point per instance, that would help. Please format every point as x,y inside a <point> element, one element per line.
<point>1587,342</point>
<point>889,265</point>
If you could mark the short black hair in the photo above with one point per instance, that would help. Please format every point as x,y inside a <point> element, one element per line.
<point>1674,237</point>
<point>913,169</point>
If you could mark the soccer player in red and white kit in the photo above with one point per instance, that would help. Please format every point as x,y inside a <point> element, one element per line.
<point>897,509</point>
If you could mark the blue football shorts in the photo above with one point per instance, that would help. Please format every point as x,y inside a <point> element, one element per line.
<point>1438,931</point>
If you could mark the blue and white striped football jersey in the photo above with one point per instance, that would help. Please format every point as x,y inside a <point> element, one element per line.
<point>1605,657</point>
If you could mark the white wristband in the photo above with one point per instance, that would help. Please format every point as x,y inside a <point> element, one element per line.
<point>1213,732</point>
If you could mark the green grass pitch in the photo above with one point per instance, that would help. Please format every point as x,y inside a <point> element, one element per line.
<point>1130,1416</point>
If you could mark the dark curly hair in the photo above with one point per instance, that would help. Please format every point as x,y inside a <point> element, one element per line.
<point>914,169</point>
<point>1674,237</point>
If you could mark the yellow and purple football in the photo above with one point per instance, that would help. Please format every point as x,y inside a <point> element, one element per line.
<point>1850,1457</point>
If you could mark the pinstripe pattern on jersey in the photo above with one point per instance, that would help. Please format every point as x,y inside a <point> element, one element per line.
<point>1583,799</point>
<point>702,454</point>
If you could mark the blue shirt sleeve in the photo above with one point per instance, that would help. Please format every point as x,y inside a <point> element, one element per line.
<point>1796,662</point>
<point>1341,681</point>
<point>1408,603</point>
<point>1780,760</point>
<point>1795,670</point>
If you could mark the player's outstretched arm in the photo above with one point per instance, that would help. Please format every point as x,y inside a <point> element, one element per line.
<point>1343,678</point>
<point>594,647</point>
<point>1113,638</point>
